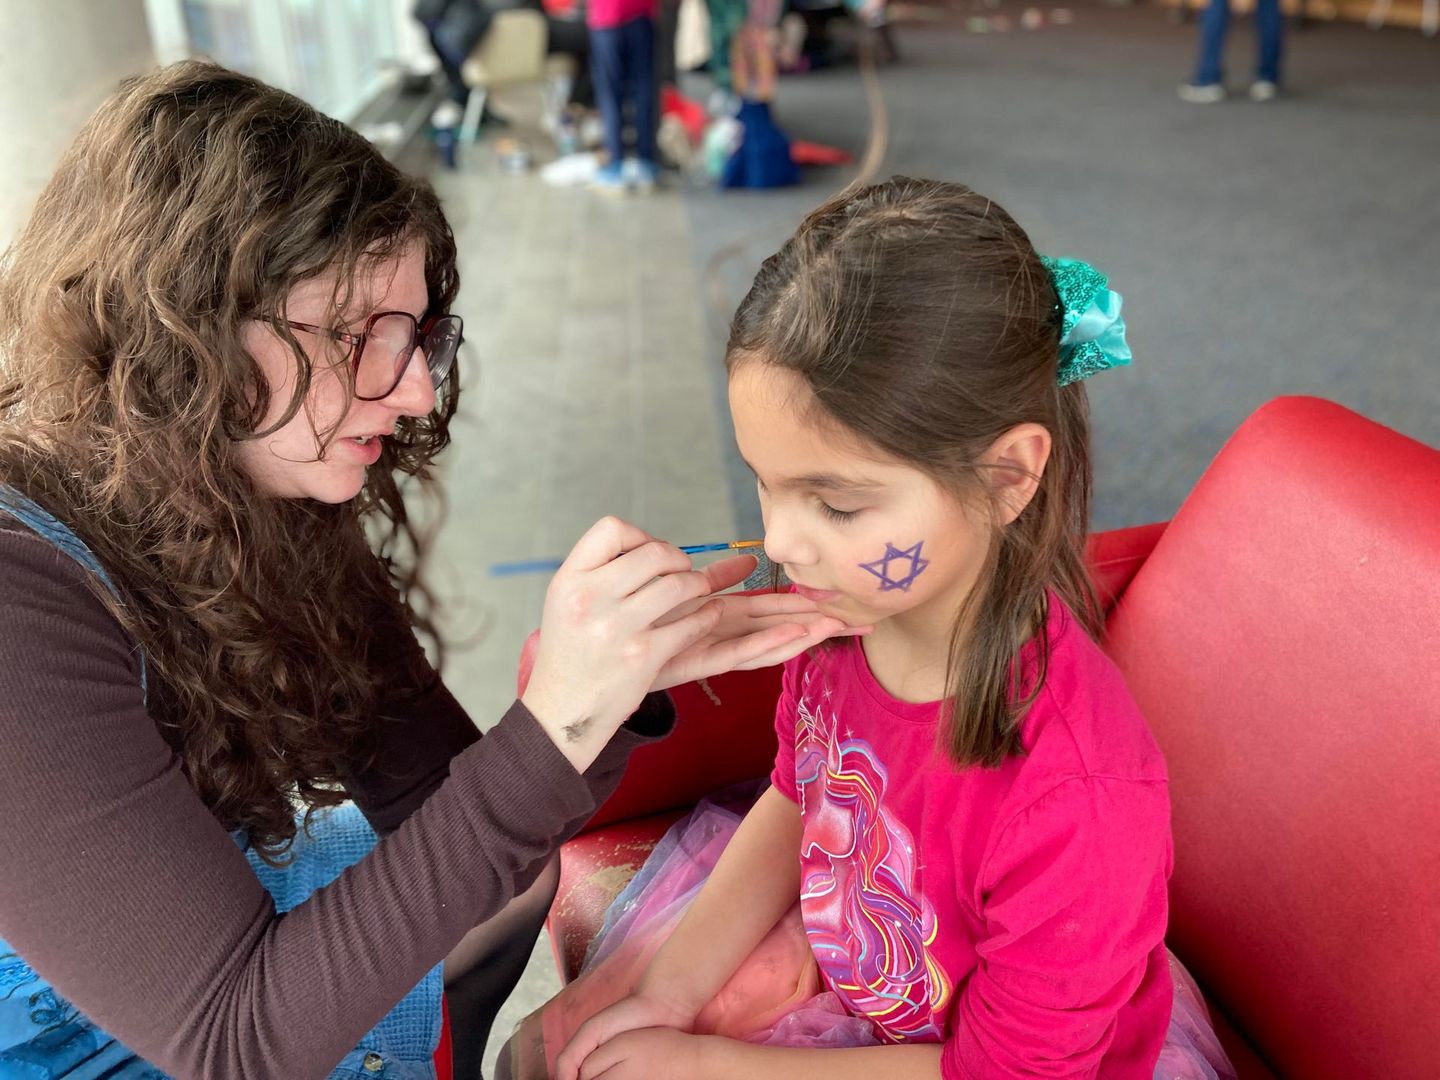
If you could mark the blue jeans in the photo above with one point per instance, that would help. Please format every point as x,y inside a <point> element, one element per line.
<point>1216,21</point>
<point>622,65</point>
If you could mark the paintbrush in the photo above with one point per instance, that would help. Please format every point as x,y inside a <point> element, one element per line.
<point>544,566</point>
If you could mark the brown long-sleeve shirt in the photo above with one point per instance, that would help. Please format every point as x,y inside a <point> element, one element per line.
<point>120,887</point>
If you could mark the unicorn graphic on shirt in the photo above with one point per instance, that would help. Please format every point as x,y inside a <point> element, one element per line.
<point>870,927</point>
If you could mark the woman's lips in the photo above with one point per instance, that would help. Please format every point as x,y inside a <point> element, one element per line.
<point>368,451</point>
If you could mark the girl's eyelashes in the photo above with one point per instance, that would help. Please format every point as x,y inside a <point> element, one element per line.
<point>825,508</point>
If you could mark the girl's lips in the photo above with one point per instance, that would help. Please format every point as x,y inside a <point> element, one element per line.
<point>816,596</point>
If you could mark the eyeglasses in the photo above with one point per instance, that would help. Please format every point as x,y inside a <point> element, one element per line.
<point>381,351</point>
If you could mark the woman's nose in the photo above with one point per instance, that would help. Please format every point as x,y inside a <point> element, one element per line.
<point>414,395</point>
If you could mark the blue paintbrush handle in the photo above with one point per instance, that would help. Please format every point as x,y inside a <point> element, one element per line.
<point>549,566</point>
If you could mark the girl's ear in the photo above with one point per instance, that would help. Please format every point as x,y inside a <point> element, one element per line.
<point>1017,461</point>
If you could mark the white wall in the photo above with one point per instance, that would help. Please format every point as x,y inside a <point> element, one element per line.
<point>58,60</point>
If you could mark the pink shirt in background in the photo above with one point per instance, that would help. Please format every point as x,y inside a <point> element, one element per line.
<point>1015,914</point>
<point>608,14</point>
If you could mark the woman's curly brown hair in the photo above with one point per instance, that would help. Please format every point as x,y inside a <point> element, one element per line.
<point>193,201</point>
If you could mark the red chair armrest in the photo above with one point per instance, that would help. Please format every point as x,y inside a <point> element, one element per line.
<point>1116,555</point>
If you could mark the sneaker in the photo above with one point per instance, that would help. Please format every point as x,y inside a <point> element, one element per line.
<point>642,175</point>
<point>1208,94</point>
<point>610,178</point>
<point>1263,90</point>
<point>447,114</point>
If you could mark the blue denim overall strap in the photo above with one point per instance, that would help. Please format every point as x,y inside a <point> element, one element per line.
<point>49,528</point>
<point>44,1037</point>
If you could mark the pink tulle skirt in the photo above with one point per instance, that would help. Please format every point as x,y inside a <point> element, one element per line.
<point>777,997</point>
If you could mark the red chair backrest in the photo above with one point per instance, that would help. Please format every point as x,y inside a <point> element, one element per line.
<point>1283,639</point>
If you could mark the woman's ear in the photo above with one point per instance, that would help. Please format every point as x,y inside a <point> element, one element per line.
<point>1016,462</point>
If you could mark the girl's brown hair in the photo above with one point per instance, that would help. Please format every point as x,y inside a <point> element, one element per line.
<point>922,319</point>
<point>192,202</point>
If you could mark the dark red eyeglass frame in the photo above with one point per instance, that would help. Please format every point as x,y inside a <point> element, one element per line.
<point>419,335</point>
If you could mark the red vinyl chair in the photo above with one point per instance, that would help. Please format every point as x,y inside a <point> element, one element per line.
<point>1282,636</point>
<point>444,1055</point>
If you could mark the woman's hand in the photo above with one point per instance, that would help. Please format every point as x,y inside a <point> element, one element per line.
<point>628,1035</point>
<point>752,631</point>
<point>606,633</point>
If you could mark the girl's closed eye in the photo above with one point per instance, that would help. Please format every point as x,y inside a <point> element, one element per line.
<point>837,515</point>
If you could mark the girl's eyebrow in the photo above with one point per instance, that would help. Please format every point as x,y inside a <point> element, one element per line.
<point>831,482</point>
<point>825,482</point>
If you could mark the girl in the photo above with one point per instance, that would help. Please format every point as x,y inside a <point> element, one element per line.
<point>966,808</point>
<point>225,341</point>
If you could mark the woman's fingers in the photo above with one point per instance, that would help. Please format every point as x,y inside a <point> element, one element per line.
<point>675,638</point>
<point>603,542</point>
<point>631,571</point>
<point>741,605</point>
<point>658,600</point>
<point>714,657</point>
<point>785,650</point>
<point>725,573</point>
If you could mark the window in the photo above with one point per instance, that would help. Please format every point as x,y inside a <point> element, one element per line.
<point>336,54</point>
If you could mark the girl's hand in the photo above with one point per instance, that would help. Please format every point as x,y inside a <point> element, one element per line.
<point>608,630</point>
<point>637,1012</point>
<point>648,1055</point>
<point>752,631</point>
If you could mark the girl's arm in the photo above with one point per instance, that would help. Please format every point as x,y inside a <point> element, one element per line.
<point>644,1055</point>
<point>754,883</point>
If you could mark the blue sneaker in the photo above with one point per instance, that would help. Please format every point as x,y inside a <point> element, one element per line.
<point>643,175</point>
<point>610,179</point>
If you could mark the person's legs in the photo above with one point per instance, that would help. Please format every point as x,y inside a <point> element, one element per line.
<point>608,72</point>
<point>1213,25</point>
<point>1270,26</point>
<point>459,92</point>
<point>640,67</point>
<point>483,970</point>
<point>667,18</point>
<point>726,17</point>
<point>570,37</point>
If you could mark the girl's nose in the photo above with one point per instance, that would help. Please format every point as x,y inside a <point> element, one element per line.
<point>785,545</point>
<point>415,394</point>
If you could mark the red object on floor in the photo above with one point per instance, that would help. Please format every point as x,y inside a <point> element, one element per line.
<point>691,112</point>
<point>811,153</point>
<point>444,1056</point>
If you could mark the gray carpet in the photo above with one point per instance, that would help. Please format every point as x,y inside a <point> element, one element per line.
<point>1289,248</point>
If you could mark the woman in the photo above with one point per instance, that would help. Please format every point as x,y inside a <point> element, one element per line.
<point>224,342</point>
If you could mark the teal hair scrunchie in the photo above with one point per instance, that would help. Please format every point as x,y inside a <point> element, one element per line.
<point>1092,331</point>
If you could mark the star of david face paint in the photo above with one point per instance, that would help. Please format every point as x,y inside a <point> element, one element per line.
<point>898,569</point>
<point>868,537</point>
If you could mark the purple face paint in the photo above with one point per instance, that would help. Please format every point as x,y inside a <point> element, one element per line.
<point>897,569</point>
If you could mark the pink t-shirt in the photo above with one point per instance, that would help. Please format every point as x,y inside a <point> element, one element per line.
<point>608,14</point>
<point>1016,914</point>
